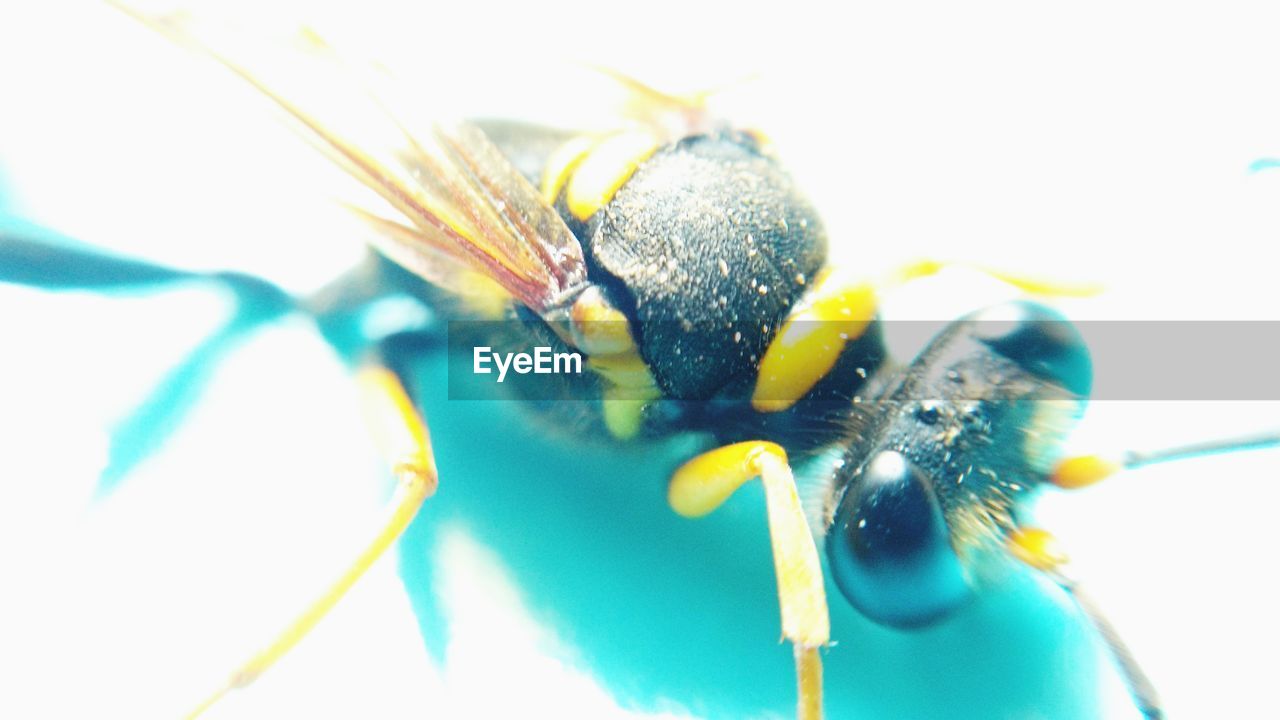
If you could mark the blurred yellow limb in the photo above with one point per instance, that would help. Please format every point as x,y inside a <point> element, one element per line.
<point>402,437</point>
<point>1081,471</point>
<point>1084,470</point>
<point>1031,284</point>
<point>834,314</point>
<point>1037,548</point>
<point>1044,286</point>
<point>705,482</point>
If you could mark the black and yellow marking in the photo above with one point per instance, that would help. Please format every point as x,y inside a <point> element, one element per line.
<point>810,343</point>
<point>698,250</point>
<point>590,169</point>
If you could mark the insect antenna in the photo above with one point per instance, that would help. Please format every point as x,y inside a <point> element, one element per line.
<point>1039,548</point>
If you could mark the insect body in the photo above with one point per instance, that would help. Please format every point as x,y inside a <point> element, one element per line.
<point>699,256</point>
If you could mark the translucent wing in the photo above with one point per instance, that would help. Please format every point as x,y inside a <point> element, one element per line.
<point>444,202</point>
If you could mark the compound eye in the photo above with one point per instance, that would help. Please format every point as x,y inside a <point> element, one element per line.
<point>889,548</point>
<point>1040,340</point>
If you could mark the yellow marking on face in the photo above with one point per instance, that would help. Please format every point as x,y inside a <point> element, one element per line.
<point>608,165</point>
<point>810,343</point>
<point>561,164</point>
<point>1037,548</point>
<point>1083,471</point>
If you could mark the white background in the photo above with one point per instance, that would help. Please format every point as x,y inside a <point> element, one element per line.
<point>1105,141</point>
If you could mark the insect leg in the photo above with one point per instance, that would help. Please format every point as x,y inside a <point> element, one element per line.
<point>836,313</point>
<point>402,438</point>
<point>1032,285</point>
<point>1039,549</point>
<point>1085,470</point>
<point>703,483</point>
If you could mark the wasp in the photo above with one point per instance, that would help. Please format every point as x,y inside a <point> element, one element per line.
<point>680,260</point>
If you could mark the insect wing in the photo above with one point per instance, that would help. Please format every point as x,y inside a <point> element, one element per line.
<point>440,195</point>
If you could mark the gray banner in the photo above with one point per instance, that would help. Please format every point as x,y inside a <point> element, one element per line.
<point>1132,360</point>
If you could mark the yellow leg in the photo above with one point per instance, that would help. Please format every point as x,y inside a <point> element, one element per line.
<point>702,484</point>
<point>1039,286</point>
<point>402,437</point>
<point>1082,471</point>
<point>808,683</point>
<point>1085,470</point>
<point>1039,549</point>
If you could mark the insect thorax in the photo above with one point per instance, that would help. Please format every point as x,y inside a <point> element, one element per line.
<point>706,248</point>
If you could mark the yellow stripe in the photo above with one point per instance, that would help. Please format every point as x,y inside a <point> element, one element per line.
<point>810,343</point>
<point>561,165</point>
<point>604,169</point>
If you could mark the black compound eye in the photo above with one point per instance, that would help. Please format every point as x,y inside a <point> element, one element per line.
<point>889,548</point>
<point>1040,340</point>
